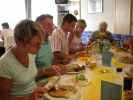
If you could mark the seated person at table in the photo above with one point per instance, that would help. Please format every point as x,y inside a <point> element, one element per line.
<point>128,45</point>
<point>17,66</point>
<point>59,39</point>
<point>7,33</point>
<point>74,39</point>
<point>44,57</point>
<point>102,33</point>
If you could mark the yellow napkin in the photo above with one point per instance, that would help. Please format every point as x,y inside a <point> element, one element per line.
<point>117,64</point>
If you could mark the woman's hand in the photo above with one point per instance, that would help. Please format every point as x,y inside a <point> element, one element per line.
<point>39,92</point>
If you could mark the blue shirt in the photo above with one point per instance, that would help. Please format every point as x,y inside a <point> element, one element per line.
<point>44,57</point>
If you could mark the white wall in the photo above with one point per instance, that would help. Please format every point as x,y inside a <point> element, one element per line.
<point>44,7</point>
<point>93,20</point>
<point>123,14</point>
<point>12,11</point>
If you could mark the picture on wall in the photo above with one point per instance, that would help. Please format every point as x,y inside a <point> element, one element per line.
<point>95,6</point>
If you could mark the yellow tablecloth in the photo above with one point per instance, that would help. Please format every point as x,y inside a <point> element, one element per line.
<point>93,90</point>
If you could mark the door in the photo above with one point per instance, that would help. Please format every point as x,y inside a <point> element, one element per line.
<point>123,16</point>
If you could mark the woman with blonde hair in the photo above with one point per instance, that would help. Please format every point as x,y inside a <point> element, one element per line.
<point>17,65</point>
<point>75,43</point>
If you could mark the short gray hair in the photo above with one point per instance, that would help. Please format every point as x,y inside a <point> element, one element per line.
<point>43,17</point>
<point>25,30</point>
<point>103,24</point>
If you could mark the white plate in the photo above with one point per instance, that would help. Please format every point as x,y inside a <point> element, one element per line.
<point>76,96</point>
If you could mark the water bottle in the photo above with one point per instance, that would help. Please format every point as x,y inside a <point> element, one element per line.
<point>106,45</point>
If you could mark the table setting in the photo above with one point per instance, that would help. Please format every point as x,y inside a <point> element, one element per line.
<point>85,72</point>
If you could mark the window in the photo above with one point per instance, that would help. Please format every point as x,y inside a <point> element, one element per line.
<point>12,11</point>
<point>44,7</point>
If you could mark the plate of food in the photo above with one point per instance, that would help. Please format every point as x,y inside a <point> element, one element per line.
<point>82,54</point>
<point>74,68</point>
<point>126,59</point>
<point>62,91</point>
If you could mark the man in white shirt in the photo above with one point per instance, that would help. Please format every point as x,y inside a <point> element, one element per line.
<point>59,39</point>
<point>7,36</point>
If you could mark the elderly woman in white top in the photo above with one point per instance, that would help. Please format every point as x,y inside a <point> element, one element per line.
<point>17,65</point>
<point>75,37</point>
<point>7,33</point>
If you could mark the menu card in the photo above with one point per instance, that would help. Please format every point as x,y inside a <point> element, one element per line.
<point>110,91</point>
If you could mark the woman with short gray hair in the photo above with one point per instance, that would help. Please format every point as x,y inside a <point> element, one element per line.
<point>17,65</point>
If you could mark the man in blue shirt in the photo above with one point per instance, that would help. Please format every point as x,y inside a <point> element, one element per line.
<point>44,57</point>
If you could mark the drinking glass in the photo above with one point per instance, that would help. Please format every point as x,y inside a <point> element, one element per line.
<point>106,58</point>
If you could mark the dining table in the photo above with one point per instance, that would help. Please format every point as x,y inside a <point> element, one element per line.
<point>96,74</point>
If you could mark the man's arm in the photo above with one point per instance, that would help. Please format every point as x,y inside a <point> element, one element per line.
<point>57,57</point>
<point>110,37</point>
<point>92,38</point>
<point>47,72</point>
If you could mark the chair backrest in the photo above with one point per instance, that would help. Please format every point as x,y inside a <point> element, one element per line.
<point>116,37</point>
<point>110,91</point>
<point>85,37</point>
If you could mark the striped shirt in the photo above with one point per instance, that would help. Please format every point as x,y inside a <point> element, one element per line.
<point>59,41</point>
